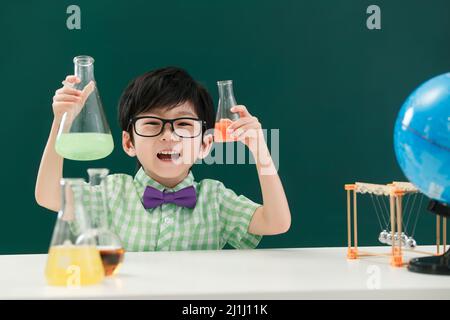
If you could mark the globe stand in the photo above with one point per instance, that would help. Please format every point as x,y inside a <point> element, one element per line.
<point>434,264</point>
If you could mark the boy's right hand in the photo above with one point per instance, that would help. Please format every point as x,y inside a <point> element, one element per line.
<point>70,100</point>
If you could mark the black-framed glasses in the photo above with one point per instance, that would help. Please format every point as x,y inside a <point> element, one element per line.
<point>185,127</point>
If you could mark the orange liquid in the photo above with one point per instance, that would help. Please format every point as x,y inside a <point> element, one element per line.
<point>220,131</point>
<point>112,259</point>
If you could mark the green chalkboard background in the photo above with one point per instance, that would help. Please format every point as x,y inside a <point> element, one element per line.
<point>309,68</point>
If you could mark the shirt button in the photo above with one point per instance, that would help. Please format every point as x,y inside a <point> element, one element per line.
<point>168,220</point>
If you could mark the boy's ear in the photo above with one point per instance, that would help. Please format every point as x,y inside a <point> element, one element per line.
<point>206,144</point>
<point>127,144</point>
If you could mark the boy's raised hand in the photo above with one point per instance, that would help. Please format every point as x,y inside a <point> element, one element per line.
<point>70,100</point>
<point>246,129</point>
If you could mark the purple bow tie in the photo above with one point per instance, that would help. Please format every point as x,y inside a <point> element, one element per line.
<point>185,197</point>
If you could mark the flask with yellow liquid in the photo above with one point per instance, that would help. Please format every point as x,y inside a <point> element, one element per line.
<point>73,258</point>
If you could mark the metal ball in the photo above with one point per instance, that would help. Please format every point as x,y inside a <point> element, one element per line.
<point>396,237</point>
<point>411,243</point>
<point>389,239</point>
<point>403,239</point>
<point>383,236</point>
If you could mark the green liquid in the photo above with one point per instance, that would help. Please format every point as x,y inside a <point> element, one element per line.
<point>84,146</point>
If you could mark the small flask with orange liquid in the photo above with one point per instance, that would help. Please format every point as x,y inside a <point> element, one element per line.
<point>108,243</point>
<point>224,115</point>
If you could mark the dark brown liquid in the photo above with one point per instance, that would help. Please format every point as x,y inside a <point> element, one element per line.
<point>112,259</point>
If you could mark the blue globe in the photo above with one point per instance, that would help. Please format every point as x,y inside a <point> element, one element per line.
<point>422,138</point>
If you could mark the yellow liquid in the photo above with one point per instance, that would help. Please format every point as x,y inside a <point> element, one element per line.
<point>74,266</point>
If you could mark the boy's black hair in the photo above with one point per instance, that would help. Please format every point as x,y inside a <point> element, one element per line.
<point>164,88</point>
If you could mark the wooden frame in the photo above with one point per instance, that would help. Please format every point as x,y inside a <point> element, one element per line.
<point>395,191</point>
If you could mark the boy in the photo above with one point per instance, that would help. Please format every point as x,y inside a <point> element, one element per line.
<point>164,115</point>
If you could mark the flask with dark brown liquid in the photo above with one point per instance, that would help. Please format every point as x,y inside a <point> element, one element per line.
<point>108,243</point>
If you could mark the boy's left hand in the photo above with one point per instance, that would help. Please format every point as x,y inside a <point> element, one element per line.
<point>246,129</point>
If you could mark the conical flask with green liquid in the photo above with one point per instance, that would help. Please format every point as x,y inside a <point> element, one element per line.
<point>84,133</point>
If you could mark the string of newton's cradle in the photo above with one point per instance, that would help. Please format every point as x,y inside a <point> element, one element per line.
<point>410,210</point>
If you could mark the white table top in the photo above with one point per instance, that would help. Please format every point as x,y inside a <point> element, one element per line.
<point>308,273</point>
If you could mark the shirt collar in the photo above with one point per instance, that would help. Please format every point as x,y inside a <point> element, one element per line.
<point>143,180</point>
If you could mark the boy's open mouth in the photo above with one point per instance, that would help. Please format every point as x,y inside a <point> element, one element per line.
<point>168,155</point>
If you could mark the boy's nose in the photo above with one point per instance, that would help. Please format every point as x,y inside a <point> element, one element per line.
<point>167,133</point>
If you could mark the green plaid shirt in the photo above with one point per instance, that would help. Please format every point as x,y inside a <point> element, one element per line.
<point>219,217</point>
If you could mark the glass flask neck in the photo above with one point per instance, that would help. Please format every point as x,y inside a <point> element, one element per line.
<point>67,187</point>
<point>226,101</point>
<point>84,67</point>
<point>96,176</point>
<point>72,204</point>
<point>226,90</point>
<point>70,199</point>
